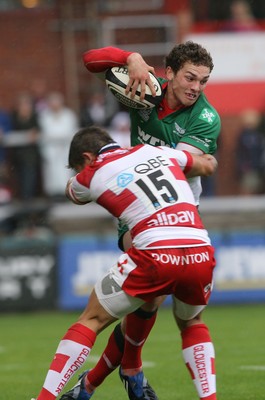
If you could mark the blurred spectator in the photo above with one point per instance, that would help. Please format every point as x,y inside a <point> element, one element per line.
<point>5,127</point>
<point>120,128</point>
<point>39,94</point>
<point>250,151</point>
<point>241,18</point>
<point>58,124</point>
<point>24,156</point>
<point>99,109</point>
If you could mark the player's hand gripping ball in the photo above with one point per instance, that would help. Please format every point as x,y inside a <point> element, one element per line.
<point>117,79</point>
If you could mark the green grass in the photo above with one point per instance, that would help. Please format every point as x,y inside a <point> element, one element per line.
<point>28,342</point>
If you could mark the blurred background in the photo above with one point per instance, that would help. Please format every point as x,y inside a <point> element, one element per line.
<point>52,252</point>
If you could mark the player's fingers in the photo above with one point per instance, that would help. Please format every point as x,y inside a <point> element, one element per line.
<point>132,87</point>
<point>151,86</point>
<point>129,86</point>
<point>151,69</point>
<point>143,89</point>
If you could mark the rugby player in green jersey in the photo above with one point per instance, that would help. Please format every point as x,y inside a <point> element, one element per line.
<point>187,121</point>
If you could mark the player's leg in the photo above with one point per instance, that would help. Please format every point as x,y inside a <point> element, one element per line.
<point>131,333</point>
<point>107,303</point>
<point>197,348</point>
<point>138,325</point>
<point>74,348</point>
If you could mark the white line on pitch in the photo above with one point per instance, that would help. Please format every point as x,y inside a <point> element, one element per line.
<point>253,367</point>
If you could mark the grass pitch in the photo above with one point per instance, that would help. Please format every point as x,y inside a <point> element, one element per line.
<point>28,342</point>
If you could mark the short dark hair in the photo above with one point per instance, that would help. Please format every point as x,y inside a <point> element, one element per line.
<point>188,52</point>
<point>90,139</point>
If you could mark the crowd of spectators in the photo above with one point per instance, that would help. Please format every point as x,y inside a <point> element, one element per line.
<point>35,134</point>
<point>34,142</point>
<point>35,137</point>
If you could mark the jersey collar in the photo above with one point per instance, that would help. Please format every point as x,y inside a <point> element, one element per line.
<point>108,147</point>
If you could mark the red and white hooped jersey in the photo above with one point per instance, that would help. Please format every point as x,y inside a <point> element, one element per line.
<point>146,188</point>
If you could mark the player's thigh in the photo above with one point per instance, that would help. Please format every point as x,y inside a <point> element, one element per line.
<point>95,316</point>
<point>184,311</point>
<point>153,305</point>
<point>113,299</point>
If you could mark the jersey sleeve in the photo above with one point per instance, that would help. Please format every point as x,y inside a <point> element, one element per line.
<point>99,60</point>
<point>77,192</point>
<point>204,130</point>
<point>196,188</point>
<point>184,158</point>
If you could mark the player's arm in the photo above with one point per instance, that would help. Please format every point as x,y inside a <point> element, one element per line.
<point>208,168</point>
<point>76,192</point>
<point>99,60</point>
<point>202,165</point>
<point>193,164</point>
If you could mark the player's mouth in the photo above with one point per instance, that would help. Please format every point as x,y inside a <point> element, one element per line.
<point>191,96</point>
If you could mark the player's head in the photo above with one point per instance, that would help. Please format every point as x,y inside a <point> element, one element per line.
<point>87,140</point>
<point>188,69</point>
<point>188,52</point>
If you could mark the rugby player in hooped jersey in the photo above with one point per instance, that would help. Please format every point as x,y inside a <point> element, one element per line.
<point>184,120</point>
<point>173,256</point>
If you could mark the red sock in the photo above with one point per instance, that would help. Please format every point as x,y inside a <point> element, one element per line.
<point>110,358</point>
<point>198,353</point>
<point>70,355</point>
<point>137,331</point>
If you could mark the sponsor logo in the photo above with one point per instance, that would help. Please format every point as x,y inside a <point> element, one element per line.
<point>151,164</point>
<point>207,115</point>
<point>187,259</point>
<point>121,265</point>
<point>178,130</point>
<point>207,288</point>
<point>180,217</point>
<point>124,179</point>
<point>146,138</point>
<point>205,142</point>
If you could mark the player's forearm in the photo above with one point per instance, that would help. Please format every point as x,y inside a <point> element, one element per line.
<point>203,165</point>
<point>99,60</point>
<point>68,190</point>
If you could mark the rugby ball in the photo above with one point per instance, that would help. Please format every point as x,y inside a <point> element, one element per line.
<point>117,78</point>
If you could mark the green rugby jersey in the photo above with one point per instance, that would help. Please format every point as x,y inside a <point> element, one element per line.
<point>198,125</point>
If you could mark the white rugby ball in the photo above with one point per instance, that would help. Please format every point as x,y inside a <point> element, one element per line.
<point>117,78</point>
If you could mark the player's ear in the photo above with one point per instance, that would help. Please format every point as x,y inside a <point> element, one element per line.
<point>88,158</point>
<point>169,73</point>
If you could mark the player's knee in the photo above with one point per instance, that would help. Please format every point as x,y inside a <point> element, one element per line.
<point>153,305</point>
<point>183,324</point>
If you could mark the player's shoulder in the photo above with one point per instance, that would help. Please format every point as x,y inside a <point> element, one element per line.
<point>203,102</point>
<point>205,111</point>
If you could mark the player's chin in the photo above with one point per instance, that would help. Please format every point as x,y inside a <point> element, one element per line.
<point>189,101</point>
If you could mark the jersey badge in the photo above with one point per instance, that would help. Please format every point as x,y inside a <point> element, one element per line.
<point>207,116</point>
<point>124,179</point>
